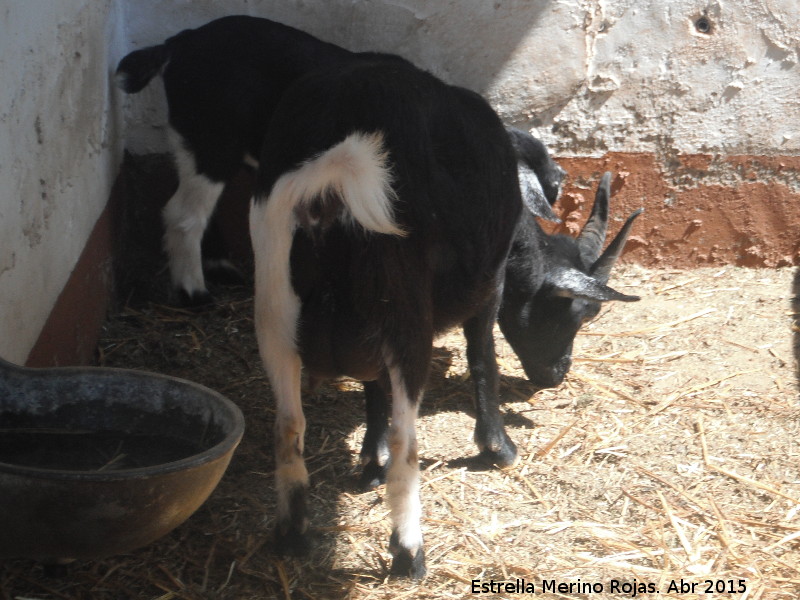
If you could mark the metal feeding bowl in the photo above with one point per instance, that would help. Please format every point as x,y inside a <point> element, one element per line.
<point>95,462</point>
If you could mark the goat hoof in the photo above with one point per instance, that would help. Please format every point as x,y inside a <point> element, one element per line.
<point>502,455</point>
<point>405,562</point>
<point>222,271</point>
<point>197,299</point>
<point>291,542</point>
<point>372,476</point>
<point>57,570</point>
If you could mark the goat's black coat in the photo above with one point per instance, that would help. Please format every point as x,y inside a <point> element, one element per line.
<point>454,172</point>
<point>223,81</point>
<point>372,303</point>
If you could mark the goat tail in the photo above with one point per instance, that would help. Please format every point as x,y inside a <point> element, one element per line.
<point>351,181</point>
<point>136,70</point>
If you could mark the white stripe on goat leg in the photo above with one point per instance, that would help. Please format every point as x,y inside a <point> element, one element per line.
<point>277,308</point>
<point>186,216</point>
<point>402,483</point>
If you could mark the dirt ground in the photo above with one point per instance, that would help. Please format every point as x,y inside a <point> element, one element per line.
<point>701,209</point>
<point>669,458</point>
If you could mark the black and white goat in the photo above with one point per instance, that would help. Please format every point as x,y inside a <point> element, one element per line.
<point>222,82</point>
<point>384,211</point>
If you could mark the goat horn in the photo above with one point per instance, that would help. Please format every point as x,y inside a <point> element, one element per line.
<point>601,269</point>
<point>593,235</point>
<point>572,283</point>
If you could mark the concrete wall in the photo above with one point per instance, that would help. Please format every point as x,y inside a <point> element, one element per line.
<point>463,41</point>
<point>60,148</point>
<point>589,77</point>
<point>693,103</point>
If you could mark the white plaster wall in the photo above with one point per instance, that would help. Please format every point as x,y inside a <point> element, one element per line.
<point>589,76</point>
<point>60,149</point>
<point>463,41</point>
<point>653,83</point>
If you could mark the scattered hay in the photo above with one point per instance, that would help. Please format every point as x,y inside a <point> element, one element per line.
<point>669,457</point>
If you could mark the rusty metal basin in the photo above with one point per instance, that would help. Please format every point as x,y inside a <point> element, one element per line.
<point>96,462</point>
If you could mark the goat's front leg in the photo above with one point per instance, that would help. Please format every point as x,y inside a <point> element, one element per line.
<point>402,483</point>
<point>185,218</point>
<point>493,442</point>
<point>375,449</point>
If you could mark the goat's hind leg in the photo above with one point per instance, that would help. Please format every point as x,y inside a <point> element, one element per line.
<point>291,476</point>
<point>375,449</point>
<point>402,482</point>
<point>277,310</point>
<point>291,481</point>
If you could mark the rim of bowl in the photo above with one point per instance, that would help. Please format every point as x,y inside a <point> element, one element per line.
<point>218,450</point>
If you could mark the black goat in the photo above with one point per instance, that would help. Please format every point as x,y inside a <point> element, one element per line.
<point>384,212</point>
<point>555,284</point>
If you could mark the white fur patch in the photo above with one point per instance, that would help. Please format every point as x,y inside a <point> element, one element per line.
<point>402,479</point>
<point>276,312</point>
<point>186,217</point>
<point>357,170</point>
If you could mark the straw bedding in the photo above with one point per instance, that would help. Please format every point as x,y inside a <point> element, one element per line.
<point>669,457</point>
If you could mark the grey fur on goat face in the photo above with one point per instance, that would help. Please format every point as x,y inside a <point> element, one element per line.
<point>555,284</point>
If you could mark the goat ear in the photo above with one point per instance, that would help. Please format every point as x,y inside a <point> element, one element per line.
<point>593,234</point>
<point>533,195</point>
<point>572,283</point>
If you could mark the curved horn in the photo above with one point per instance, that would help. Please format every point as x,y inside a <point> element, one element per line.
<point>593,235</point>
<point>601,269</point>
